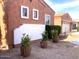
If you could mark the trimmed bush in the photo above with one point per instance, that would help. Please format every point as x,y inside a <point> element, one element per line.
<point>49,28</point>
<point>78,29</point>
<point>58,28</point>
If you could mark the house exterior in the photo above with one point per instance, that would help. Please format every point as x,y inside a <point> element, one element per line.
<point>65,21</point>
<point>75,25</point>
<point>26,16</point>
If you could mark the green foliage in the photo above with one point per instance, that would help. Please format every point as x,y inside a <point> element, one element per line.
<point>49,29</point>
<point>57,28</point>
<point>78,29</point>
<point>44,36</point>
<point>25,40</point>
<point>54,33</point>
<point>55,38</point>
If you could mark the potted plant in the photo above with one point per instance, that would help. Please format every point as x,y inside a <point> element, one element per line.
<point>25,46</point>
<point>43,42</point>
<point>55,36</point>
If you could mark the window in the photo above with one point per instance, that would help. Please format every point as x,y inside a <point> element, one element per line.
<point>35,14</point>
<point>24,12</point>
<point>74,26</point>
<point>47,20</point>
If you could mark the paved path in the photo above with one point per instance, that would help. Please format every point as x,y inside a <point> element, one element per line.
<point>61,50</point>
<point>73,37</point>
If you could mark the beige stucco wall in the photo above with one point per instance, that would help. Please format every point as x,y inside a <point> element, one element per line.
<point>57,20</point>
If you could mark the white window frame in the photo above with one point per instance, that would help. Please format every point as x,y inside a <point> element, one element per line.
<point>37,14</point>
<point>49,19</point>
<point>25,17</point>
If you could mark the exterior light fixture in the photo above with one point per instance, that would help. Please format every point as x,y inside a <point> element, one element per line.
<point>30,0</point>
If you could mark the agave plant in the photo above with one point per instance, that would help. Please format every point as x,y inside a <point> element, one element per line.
<point>44,36</point>
<point>25,46</point>
<point>25,40</point>
<point>55,36</point>
<point>43,43</point>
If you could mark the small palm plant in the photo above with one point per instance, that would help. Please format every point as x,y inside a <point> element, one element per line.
<point>43,42</point>
<point>55,36</point>
<point>25,40</point>
<point>25,46</point>
<point>44,36</point>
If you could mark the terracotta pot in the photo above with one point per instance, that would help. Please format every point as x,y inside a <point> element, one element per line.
<point>43,44</point>
<point>55,40</point>
<point>25,51</point>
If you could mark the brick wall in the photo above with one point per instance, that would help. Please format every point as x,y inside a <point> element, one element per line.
<point>57,20</point>
<point>67,19</point>
<point>60,19</point>
<point>14,15</point>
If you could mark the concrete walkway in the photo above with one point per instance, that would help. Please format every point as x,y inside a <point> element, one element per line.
<point>73,37</point>
<point>61,50</point>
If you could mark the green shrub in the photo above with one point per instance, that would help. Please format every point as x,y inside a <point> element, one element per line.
<point>25,40</point>
<point>44,36</point>
<point>57,28</point>
<point>55,38</point>
<point>54,33</point>
<point>78,29</point>
<point>49,28</point>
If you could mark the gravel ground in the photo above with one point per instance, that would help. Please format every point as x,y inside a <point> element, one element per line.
<point>61,50</point>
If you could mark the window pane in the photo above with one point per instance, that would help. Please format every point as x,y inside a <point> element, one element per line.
<point>24,12</point>
<point>35,14</point>
<point>74,26</point>
<point>47,20</point>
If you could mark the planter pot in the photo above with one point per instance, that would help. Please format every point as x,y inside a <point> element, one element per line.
<point>25,51</point>
<point>43,44</point>
<point>55,40</point>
